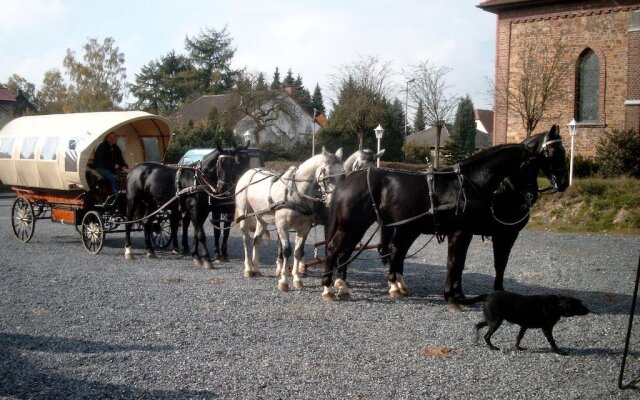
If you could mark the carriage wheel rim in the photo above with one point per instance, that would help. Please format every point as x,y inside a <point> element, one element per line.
<point>23,219</point>
<point>92,233</point>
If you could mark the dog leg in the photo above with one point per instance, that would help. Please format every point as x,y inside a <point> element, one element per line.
<point>548,333</point>
<point>519,338</point>
<point>493,327</point>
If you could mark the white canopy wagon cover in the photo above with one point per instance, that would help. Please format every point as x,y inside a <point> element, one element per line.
<point>53,151</point>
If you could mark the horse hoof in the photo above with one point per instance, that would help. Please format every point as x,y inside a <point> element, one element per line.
<point>344,296</point>
<point>129,256</point>
<point>298,284</point>
<point>454,307</point>
<point>207,264</point>
<point>151,254</point>
<point>197,263</point>
<point>175,252</point>
<point>329,297</point>
<point>252,274</point>
<point>394,294</point>
<point>404,292</point>
<point>283,286</point>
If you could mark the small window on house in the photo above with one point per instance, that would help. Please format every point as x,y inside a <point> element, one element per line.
<point>6,147</point>
<point>49,149</point>
<point>587,87</point>
<point>28,149</point>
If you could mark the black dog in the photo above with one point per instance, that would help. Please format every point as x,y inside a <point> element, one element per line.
<point>541,311</point>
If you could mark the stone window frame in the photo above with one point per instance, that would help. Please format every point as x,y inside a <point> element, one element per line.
<point>577,57</point>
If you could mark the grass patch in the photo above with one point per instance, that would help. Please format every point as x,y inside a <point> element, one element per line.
<point>591,205</point>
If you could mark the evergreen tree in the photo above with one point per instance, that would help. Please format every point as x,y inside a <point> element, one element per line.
<point>211,52</point>
<point>275,83</point>
<point>464,126</point>
<point>288,80</point>
<point>261,83</point>
<point>316,100</point>
<point>419,123</point>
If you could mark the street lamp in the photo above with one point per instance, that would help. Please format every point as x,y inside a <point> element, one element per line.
<point>313,135</point>
<point>247,136</point>
<point>406,115</point>
<point>379,131</point>
<point>572,132</point>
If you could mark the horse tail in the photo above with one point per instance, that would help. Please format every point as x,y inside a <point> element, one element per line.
<point>473,300</point>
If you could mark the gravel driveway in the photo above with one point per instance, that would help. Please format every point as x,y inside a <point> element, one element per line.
<point>78,326</point>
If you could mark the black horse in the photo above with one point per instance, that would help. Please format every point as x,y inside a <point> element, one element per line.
<point>186,189</point>
<point>223,207</point>
<point>488,194</point>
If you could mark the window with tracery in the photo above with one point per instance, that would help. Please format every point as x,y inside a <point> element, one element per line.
<point>587,87</point>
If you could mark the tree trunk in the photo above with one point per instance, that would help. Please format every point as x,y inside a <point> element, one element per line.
<point>436,163</point>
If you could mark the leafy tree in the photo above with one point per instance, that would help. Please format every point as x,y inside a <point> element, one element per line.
<point>52,96</point>
<point>98,83</point>
<point>211,53</point>
<point>316,100</point>
<point>275,83</point>
<point>464,126</point>
<point>17,84</point>
<point>161,86</point>
<point>618,153</point>
<point>419,123</point>
<point>431,87</point>
<point>362,104</point>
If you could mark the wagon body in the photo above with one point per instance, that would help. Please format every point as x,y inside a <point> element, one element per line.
<point>47,160</point>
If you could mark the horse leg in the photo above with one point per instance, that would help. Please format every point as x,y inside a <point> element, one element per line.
<point>283,236</point>
<point>174,223</point>
<point>298,256</point>
<point>131,212</point>
<point>279,258</point>
<point>199,216</point>
<point>148,227</point>
<point>458,244</point>
<point>400,245</point>
<point>502,244</point>
<point>186,221</point>
<point>226,228</point>
<point>215,221</point>
<point>338,252</point>
<point>252,248</point>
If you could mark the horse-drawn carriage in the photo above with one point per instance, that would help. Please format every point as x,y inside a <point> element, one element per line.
<point>47,160</point>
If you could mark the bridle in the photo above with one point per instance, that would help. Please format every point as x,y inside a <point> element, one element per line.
<point>549,171</point>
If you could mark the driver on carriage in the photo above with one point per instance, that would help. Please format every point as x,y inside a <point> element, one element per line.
<point>108,160</point>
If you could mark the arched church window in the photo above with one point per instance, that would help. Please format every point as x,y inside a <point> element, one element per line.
<point>587,87</point>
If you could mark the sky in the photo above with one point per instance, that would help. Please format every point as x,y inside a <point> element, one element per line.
<point>313,39</point>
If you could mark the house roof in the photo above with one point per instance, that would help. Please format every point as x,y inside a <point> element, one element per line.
<point>486,118</point>
<point>198,110</point>
<point>428,138</point>
<point>6,95</point>
<point>501,5</point>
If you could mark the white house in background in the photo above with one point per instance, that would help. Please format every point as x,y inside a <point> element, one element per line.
<point>282,128</point>
<point>484,121</point>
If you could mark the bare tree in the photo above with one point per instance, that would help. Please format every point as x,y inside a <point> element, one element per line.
<point>360,93</point>
<point>536,84</point>
<point>431,88</point>
<point>263,107</point>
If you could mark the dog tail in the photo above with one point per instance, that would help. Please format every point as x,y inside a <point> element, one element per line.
<point>473,300</point>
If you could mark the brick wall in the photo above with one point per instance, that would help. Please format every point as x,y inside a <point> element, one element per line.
<point>580,25</point>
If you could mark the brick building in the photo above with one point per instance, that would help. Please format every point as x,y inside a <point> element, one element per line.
<point>601,42</point>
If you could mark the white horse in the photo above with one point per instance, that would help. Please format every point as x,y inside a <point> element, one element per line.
<point>293,200</point>
<point>361,159</point>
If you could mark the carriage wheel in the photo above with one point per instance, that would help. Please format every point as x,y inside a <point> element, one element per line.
<point>161,232</point>
<point>23,219</point>
<point>92,232</point>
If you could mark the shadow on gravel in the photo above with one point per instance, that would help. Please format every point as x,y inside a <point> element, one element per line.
<point>426,285</point>
<point>22,378</point>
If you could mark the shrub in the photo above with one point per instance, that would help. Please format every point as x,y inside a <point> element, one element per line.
<point>584,167</point>
<point>618,153</point>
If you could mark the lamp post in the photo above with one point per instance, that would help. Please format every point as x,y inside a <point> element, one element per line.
<point>313,135</point>
<point>406,116</point>
<point>247,136</point>
<point>572,132</point>
<point>379,131</point>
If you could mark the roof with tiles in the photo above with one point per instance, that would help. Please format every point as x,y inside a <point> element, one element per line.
<point>6,95</point>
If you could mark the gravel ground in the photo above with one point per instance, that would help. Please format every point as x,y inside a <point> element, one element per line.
<point>76,326</point>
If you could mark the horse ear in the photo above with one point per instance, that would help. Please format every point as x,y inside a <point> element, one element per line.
<point>554,132</point>
<point>324,151</point>
<point>247,145</point>
<point>233,143</point>
<point>339,154</point>
<point>379,154</point>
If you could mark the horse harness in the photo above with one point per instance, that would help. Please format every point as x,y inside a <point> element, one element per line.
<point>200,182</point>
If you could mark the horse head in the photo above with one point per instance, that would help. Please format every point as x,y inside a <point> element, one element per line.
<point>550,157</point>
<point>328,171</point>
<point>362,159</point>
